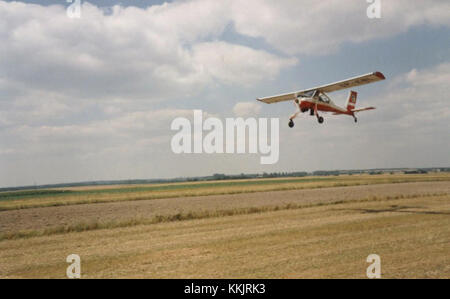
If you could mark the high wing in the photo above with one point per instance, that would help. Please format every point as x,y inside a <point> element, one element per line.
<point>349,83</point>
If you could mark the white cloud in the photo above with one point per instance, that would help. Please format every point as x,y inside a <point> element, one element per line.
<point>409,128</point>
<point>247,109</point>
<point>319,27</point>
<point>234,64</point>
<point>418,99</point>
<point>412,116</point>
<point>151,53</point>
<point>164,50</point>
<point>70,88</point>
<point>141,132</point>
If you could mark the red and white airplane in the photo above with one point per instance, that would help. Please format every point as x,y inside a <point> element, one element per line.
<point>315,99</point>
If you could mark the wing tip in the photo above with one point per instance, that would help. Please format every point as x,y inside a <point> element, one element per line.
<point>379,75</point>
<point>263,101</point>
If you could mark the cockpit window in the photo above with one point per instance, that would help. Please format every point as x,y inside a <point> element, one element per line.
<point>308,94</point>
<point>324,98</point>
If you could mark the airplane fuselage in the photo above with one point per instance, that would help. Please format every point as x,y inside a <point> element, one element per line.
<point>321,102</point>
<point>306,104</point>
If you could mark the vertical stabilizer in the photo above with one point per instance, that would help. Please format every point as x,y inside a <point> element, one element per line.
<point>351,102</point>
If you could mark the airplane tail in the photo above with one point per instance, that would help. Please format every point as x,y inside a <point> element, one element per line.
<point>351,102</point>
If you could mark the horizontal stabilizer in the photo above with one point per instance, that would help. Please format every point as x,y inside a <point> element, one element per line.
<point>362,109</point>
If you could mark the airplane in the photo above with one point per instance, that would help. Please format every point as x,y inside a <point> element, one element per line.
<point>316,99</point>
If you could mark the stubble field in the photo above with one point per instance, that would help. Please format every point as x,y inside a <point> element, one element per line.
<point>265,228</point>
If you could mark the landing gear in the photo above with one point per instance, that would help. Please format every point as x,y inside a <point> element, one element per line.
<point>291,123</point>
<point>356,120</point>
<point>314,112</point>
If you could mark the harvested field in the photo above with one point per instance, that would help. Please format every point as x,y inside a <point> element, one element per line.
<point>411,236</point>
<point>48,217</point>
<point>303,232</point>
<point>98,194</point>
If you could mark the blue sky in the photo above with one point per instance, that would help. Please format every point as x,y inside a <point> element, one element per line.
<point>93,98</point>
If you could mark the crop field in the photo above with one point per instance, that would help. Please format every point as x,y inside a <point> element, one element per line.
<point>309,227</point>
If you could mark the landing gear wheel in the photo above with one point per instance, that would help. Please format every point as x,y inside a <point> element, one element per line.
<point>320,119</point>
<point>356,120</point>
<point>291,124</point>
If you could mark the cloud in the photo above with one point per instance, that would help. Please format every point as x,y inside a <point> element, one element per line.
<point>417,99</point>
<point>120,133</point>
<point>246,109</point>
<point>153,54</point>
<point>409,128</point>
<point>320,27</point>
<point>235,64</point>
<point>162,51</point>
<point>411,117</point>
<point>94,97</point>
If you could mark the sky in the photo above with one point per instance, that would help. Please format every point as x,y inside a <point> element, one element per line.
<point>93,98</point>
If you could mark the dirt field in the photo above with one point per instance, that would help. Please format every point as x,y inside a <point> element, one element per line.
<point>308,233</point>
